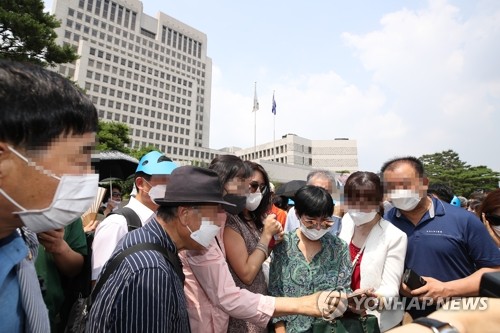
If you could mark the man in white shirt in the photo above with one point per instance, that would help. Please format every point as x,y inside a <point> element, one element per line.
<point>326,180</point>
<point>151,178</point>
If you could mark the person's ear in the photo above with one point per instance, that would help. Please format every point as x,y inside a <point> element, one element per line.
<point>183,214</point>
<point>139,183</point>
<point>5,155</point>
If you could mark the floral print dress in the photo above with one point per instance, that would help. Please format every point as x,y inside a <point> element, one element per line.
<point>292,275</point>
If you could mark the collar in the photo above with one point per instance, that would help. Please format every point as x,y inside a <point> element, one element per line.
<point>436,208</point>
<point>144,213</point>
<point>162,235</point>
<point>430,210</point>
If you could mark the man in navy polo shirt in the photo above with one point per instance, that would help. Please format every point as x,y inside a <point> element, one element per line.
<point>447,246</point>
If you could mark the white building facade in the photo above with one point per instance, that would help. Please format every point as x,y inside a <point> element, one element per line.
<point>151,73</point>
<point>338,155</point>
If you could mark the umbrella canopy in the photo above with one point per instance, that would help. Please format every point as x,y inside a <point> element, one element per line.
<point>289,189</point>
<point>114,165</point>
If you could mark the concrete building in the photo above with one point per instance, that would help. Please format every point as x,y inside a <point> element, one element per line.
<point>304,154</point>
<point>151,73</point>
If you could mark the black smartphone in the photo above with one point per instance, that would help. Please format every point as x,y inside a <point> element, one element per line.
<point>412,279</point>
<point>490,285</point>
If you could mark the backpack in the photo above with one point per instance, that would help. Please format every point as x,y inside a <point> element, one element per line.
<point>133,220</point>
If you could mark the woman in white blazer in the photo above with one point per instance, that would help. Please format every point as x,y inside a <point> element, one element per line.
<point>377,247</point>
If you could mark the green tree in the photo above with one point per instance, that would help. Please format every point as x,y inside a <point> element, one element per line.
<point>447,168</point>
<point>113,136</point>
<point>138,153</point>
<point>27,34</point>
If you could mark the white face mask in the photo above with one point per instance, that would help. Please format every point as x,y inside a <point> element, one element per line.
<point>157,192</point>
<point>404,199</point>
<point>360,218</point>
<point>116,204</point>
<point>73,196</point>
<point>313,234</point>
<point>496,229</point>
<point>206,234</point>
<point>253,201</point>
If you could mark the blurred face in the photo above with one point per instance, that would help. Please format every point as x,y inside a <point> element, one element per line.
<point>404,177</point>
<point>213,215</point>
<point>145,187</point>
<point>237,185</point>
<point>322,182</point>
<point>68,154</point>
<point>362,201</point>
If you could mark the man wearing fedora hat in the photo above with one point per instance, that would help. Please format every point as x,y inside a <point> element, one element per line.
<point>145,293</point>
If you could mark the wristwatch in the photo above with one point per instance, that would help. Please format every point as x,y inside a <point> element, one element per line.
<point>435,325</point>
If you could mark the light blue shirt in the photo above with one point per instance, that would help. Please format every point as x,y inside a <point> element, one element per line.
<point>12,251</point>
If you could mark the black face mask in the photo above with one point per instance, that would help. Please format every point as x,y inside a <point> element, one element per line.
<point>238,200</point>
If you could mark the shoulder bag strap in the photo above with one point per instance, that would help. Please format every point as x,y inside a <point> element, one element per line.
<point>113,265</point>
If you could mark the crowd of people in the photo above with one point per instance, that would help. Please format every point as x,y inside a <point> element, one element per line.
<point>206,250</point>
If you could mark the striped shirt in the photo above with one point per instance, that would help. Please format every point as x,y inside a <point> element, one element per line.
<point>144,294</point>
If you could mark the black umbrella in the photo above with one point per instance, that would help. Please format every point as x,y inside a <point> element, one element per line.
<point>288,189</point>
<point>114,165</point>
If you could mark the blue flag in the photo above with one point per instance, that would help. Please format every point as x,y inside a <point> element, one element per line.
<point>273,110</point>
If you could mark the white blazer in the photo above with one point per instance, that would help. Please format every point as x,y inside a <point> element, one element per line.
<point>382,265</point>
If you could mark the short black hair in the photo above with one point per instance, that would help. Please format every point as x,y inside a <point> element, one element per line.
<point>442,191</point>
<point>167,213</point>
<point>417,164</point>
<point>38,105</point>
<point>313,201</point>
<point>228,167</point>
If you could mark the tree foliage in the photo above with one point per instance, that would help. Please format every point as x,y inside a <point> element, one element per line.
<point>113,136</point>
<point>138,153</point>
<point>27,34</point>
<point>447,168</point>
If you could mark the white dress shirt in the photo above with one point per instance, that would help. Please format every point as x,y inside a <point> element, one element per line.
<point>110,231</point>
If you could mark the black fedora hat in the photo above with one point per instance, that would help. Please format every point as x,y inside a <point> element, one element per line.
<point>193,185</point>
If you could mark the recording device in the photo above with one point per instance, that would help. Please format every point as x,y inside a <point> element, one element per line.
<point>490,285</point>
<point>412,279</point>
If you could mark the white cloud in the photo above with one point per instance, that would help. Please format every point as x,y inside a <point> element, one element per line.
<point>430,90</point>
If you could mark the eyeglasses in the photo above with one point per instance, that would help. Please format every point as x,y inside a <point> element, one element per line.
<point>310,223</point>
<point>493,218</point>
<point>116,194</point>
<point>255,185</point>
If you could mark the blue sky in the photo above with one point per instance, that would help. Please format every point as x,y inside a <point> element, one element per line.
<point>400,77</point>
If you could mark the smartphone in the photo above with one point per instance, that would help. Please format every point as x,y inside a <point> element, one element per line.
<point>412,279</point>
<point>490,285</point>
<point>357,297</point>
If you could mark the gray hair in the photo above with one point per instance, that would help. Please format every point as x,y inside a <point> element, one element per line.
<point>322,174</point>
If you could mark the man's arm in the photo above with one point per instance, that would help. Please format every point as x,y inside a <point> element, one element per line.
<point>468,286</point>
<point>464,320</point>
<point>68,261</point>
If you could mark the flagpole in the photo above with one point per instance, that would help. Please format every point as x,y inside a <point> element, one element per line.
<point>255,108</point>
<point>274,131</point>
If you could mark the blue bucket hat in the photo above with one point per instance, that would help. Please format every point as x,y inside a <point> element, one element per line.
<point>155,163</point>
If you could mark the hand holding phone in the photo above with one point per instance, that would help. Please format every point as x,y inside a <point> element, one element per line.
<point>412,279</point>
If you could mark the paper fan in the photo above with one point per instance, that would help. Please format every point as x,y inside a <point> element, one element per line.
<point>91,213</point>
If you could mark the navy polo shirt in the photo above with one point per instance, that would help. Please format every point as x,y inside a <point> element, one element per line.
<point>448,243</point>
